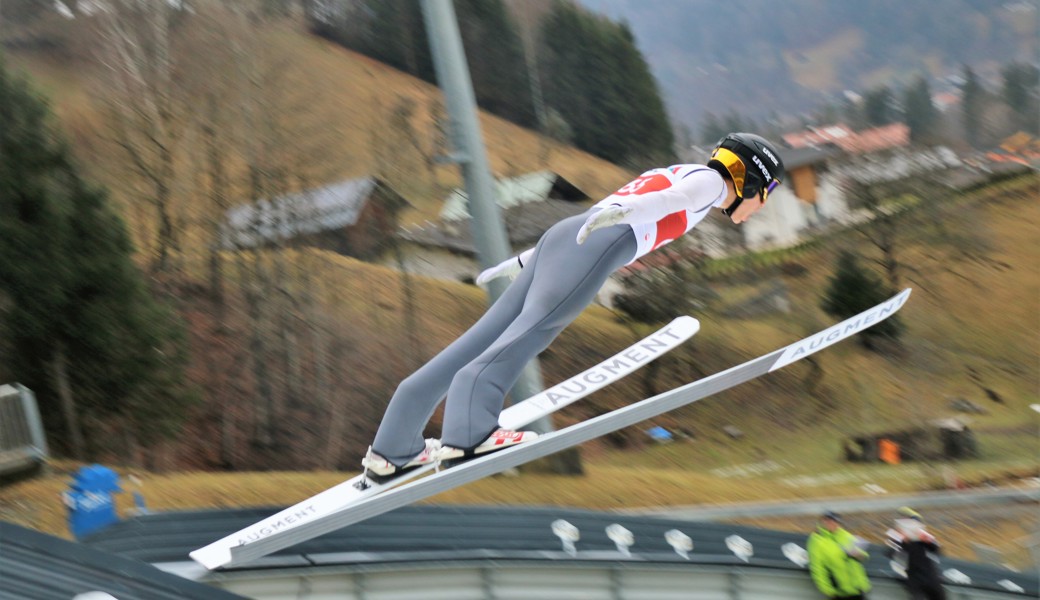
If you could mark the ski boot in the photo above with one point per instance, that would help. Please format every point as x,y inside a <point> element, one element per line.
<point>377,465</point>
<point>498,440</point>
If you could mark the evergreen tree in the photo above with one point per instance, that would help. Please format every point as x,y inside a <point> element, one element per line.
<point>496,60</point>
<point>390,32</point>
<point>853,113</point>
<point>600,83</point>
<point>921,115</point>
<point>852,290</point>
<point>972,101</point>
<point>1020,94</point>
<point>878,107</point>
<point>85,333</point>
<point>394,32</point>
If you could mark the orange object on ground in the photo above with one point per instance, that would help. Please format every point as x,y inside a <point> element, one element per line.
<point>888,451</point>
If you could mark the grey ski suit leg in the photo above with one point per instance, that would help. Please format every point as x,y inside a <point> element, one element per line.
<point>478,369</point>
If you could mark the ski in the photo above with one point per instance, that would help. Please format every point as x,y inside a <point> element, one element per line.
<point>516,416</point>
<point>496,462</point>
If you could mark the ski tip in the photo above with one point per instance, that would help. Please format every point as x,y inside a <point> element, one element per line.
<point>211,558</point>
<point>843,330</point>
<point>688,324</point>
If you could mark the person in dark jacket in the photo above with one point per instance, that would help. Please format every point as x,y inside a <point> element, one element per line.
<point>836,560</point>
<point>911,545</point>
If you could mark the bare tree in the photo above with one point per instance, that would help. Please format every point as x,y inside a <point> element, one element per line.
<point>283,149</point>
<point>142,95</point>
<point>882,230</point>
<point>919,209</point>
<point>69,410</point>
<point>398,154</point>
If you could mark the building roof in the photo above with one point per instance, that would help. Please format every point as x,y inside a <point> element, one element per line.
<point>818,136</point>
<point>36,566</point>
<point>324,208</point>
<point>894,135</point>
<point>1020,142</point>
<point>514,191</point>
<point>437,533</point>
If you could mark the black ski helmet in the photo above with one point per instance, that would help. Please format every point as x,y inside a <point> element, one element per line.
<point>752,162</point>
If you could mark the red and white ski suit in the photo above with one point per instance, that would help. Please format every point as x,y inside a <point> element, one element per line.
<point>558,280</point>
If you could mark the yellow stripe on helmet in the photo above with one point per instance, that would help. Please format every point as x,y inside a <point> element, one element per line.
<point>734,166</point>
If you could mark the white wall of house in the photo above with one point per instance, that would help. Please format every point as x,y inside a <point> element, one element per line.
<point>830,201</point>
<point>784,219</point>
<point>779,222</point>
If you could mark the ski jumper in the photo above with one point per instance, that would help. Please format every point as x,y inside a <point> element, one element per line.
<point>557,282</point>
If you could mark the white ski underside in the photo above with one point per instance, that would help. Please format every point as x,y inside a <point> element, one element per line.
<point>358,488</point>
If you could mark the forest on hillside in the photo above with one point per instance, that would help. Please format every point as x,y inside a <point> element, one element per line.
<point>553,67</point>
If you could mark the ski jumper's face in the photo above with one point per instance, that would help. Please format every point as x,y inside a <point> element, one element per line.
<point>748,207</point>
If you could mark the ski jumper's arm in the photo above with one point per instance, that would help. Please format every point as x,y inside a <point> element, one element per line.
<point>695,191</point>
<point>655,195</point>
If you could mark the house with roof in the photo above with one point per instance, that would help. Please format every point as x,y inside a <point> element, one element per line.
<point>821,161</point>
<point>810,198</point>
<point>529,204</point>
<point>353,217</point>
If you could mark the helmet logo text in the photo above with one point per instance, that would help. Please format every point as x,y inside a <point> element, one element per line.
<point>775,160</point>
<point>762,167</point>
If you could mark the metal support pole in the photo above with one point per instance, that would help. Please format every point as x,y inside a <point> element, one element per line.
<point>489,234</point>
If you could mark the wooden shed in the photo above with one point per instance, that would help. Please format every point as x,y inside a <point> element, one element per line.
<point>355,218</point>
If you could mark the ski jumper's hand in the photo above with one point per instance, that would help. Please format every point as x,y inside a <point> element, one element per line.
<point>610,215</point>
<point>510,268</point>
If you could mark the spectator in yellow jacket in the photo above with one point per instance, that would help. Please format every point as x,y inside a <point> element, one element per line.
<point>836,560</point>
